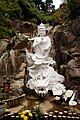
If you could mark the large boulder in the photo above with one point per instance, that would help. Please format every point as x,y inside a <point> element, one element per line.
<point>67,47</point>
<point>3,45</point>
<point>66,38</point>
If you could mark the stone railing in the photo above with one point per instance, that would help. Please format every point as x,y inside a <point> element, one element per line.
<point>15,101</point>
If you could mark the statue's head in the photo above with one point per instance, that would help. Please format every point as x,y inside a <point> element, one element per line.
<point>41,30</point>
<point>41,87</point>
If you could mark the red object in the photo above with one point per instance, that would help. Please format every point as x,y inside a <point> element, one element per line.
<point>6,87</point>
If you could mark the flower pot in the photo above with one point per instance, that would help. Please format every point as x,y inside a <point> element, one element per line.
<point>2,108</point>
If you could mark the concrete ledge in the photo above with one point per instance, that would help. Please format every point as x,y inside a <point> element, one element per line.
<point>15,101</point>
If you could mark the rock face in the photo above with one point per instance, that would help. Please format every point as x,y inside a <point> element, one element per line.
<point>13,61</point>
<point>67,43</point>
<point>72,73</point>
<point>3,45</point>
<point>67,39</point>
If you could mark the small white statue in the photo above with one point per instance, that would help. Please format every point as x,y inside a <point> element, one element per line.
<point>43,76</point>
<point>42,46</point>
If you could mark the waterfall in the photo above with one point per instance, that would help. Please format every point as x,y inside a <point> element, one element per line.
<point>12,56</point>
<point>55,28</point>
<point>3,56</point>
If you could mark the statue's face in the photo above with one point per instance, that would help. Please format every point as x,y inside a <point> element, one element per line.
<point>41,87</point>
<point>41,91</point>
<point>41,30</point>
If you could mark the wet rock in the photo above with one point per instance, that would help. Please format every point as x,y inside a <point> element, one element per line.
<point>45,106</point>
<point>67,37</point>
<point>20,75</point>
<point>73,66</point>
<point>67,44</point>
<point>3,45</point>
<point>16,87</point>
<point>27,27</point>
<point>23,65</point>
<point>76,27</point>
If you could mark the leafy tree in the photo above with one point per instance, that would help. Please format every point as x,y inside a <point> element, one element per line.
<point>30,10</point>
<point>43,7</point>
<point>38,3</point>
<point>25,8</point>
<point>74,8</point>
<point>8,11</point>
<point>49,5</point>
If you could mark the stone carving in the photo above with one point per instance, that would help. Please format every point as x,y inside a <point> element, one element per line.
<point>43,76</point>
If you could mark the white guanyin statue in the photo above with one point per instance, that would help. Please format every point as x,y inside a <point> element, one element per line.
<point>43,76</point>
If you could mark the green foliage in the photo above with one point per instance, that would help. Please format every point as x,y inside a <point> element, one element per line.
<point>5,32</point>
<point>8,11</point>
<point>49,5</point>
<point>33,20</point>
<point>48,19</point>
<point>60,16</point>
<point>2,72</point>
<point>37,112</point>
<point>74,8</point>
<point>32,13</point>
<point>27,10</point>
<point>35,13</point>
